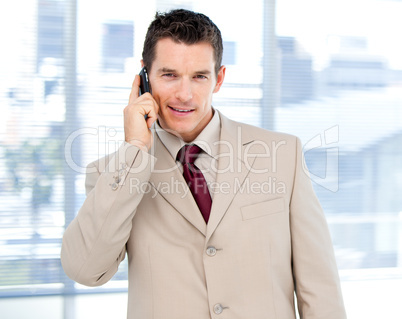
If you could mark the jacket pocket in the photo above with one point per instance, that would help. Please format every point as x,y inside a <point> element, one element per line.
<point>261,209</point>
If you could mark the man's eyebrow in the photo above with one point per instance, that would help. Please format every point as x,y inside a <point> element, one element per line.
<point>206,72</point>
<point>168,70</point>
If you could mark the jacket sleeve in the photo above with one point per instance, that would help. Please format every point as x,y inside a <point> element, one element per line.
<point>94,243</point>
<point>315,272</point>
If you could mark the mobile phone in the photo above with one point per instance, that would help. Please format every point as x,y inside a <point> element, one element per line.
<point>144,83</point>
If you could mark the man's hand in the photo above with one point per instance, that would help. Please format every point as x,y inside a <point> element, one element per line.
<point>136,126</point>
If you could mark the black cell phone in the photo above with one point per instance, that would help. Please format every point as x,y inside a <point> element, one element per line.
<point>144,83</point>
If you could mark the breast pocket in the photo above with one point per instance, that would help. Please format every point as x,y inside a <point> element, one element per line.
<point>270,207</point>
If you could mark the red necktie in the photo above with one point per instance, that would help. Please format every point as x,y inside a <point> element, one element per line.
<point>195,179</point>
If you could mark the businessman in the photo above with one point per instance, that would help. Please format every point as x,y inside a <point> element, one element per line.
<point>217,218</point>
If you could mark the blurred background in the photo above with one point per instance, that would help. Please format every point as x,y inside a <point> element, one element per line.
<point>328,71</point>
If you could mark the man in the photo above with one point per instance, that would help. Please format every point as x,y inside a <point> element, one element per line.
<point>237,249</point>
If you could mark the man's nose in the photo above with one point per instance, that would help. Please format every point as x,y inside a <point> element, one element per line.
<point>184,90</point>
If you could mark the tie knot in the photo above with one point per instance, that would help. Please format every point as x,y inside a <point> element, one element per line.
<point>188,154</point>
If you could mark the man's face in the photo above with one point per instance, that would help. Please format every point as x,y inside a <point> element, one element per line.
<point>183,81</point>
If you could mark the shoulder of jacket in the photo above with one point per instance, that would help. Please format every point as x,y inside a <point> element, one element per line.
<point>257,133</point>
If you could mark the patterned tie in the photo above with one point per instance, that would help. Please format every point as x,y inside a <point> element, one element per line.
<point>194,178</point>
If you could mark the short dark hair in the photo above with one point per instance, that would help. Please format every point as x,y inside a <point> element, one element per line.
<point>182,26</point>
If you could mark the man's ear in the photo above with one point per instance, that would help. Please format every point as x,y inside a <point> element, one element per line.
<point>142,63</point>
<point>220,78</point>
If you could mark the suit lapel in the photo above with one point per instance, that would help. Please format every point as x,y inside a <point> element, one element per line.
<point>170,184</point>
<point>232,170</point>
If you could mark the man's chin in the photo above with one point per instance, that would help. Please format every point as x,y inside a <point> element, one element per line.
<point>174,130</point>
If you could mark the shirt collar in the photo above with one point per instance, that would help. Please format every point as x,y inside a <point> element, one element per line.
<point>206,140</point>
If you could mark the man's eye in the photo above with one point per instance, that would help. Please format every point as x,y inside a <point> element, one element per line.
<point>168,75</point>
<point>200,76</point>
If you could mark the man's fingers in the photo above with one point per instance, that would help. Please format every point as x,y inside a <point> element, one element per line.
<point>152,115</point>
<point>139,115</point>
<point>135,89</point>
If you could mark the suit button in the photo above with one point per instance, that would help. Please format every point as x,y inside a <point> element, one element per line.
<point>211,251</point>
<point>115,186</point>
<point>218,309</point>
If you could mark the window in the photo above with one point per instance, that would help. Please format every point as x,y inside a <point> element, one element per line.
<point>118,41</point>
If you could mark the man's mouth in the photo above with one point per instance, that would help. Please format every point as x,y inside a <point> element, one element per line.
<point>180,110</point>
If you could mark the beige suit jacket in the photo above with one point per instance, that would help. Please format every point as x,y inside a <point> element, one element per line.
<point>266,237</point>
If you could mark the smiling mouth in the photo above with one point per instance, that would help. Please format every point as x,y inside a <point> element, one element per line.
<point>179,110</point>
